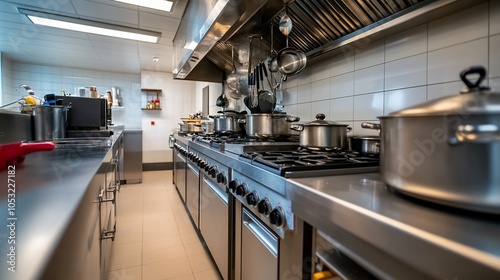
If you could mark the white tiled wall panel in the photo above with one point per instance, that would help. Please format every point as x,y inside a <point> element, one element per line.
<point>494,17</point>
<point>444,89</point>
<point>343,63</point>
<point>342,85</point>
<point>370,54</point>
<point>406,72</point>
<point>407,43</point>
<point>494,70</point>
<point>369,80</point>
<point>320,90</point>
<point>341,109</point>
<point>466,25</point>
<point>368,106</point>
<point>399,99</point>
<point>445,64</point>
<point>305,93</point>
<point>320,107</point>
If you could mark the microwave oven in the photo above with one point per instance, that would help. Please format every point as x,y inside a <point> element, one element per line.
<point>86,113</point>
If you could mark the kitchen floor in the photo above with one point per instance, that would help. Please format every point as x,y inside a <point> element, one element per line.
<point>155,238</point>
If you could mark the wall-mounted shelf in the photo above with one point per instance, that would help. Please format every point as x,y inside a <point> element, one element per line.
<point>146,109</point>
<point>151,96</point>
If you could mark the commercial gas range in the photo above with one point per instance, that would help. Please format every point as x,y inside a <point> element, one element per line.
<point>255,173</point>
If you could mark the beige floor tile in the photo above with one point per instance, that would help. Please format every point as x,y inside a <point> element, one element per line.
<point>184,277</point>
<point>126,255</point>
<point>209,274</point>
<point>196,248</point>
<point>129,273</point>
<point>161,242</point>
<point>124,236</point>
<point>201,262</point>
<point>163,254</point>
<point>171,268</point>
<point>189,238</point>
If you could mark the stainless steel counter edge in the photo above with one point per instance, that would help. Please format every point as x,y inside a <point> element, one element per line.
<point>396,237</point>
<point>49,189</point>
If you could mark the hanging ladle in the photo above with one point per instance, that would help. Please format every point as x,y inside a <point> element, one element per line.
<point>285,24</point>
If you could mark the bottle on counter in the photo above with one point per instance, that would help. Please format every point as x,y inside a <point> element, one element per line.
<point>157,104</point>
<point>93,92</point>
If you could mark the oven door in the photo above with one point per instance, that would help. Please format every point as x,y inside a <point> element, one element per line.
<point>180,174</point>
<point>259,247</point>
<point>214,223</point>
<point>193,192</point>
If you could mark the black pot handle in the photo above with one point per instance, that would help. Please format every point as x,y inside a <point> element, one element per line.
<point>473,70</point>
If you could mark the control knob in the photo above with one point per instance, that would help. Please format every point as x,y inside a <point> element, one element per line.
<point>277,217</point>
<point>242,189</point>
<point>232,185</point>
<point>252,198</point>
<point>221,179</point>
<point>207,167</point>
<point>264,206</point>
<point>212,171</point>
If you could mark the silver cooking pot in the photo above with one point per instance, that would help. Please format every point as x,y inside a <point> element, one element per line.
<point>227,122</point>
<point>446,150</point>
<point>207,127</point>
<point>321,134</point>
<point>365,145</point>
<point>50,122</point>
<point>268,125</point>
<point>190,128</point>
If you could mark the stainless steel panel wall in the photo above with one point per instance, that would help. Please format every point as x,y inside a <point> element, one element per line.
<point>132,166</point>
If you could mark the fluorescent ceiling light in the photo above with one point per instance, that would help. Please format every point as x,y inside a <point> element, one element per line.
<point>163,5</point>
<point>88,26</point>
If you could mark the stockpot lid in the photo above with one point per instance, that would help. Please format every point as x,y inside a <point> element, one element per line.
<point>320,121</point>
<point>474,100</point>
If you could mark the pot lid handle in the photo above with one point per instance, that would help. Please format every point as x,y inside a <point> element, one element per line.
<point>320,116</point>
<point>471,85</point>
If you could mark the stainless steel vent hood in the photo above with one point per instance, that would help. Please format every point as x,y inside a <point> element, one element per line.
<point>320,28</point>
<point>203,25</point>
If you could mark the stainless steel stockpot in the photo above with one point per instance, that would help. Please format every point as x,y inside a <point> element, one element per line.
<point>365,145</point>
<point>446,150</point>
<point>207,127</point>
<point>321,134</point>
<point>227,122</point>
<point>268,125</point>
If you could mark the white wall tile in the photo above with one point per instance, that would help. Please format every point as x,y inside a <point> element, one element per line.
<point>342,109</point>
<point>304,93</point>
<point>342,63</point>
<point>495,84</point>
<point>444,89</point>
<point>320,90</point>
<point>371,54</point>
<point>369,80</point>
<point>290,96</point>
<point>368,106</point>
<point>318,107</point>
<point>304,111</point>
<point>407,43</point>
<point>399,99</point>
<point>494,70</point>
<point>320,71</point>
<point>406,72</point>
<point>444,65</point>
<point>342,85</point>
<point>292,110</point>
<point>458,28</point>
<point>494,17</point>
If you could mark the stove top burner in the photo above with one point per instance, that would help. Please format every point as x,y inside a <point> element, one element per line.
<point>217,141</point>
<point>285,162</point>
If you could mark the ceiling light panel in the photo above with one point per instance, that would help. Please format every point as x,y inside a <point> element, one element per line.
<point>162,5</point>
<point>93,27</point>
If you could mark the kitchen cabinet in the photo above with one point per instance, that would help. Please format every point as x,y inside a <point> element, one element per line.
<point>152,100</point>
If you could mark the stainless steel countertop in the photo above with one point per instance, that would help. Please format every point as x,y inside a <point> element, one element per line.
<point>48,190</point>
<point>395,236</point>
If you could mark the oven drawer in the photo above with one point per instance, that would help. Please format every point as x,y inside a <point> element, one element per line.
<point>259,247</point>
<point>214,223</point>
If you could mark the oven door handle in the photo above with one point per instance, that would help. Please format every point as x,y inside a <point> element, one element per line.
<point>222,196</point>
<point>269,240</point>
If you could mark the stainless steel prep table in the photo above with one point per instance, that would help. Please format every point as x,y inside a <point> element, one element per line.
<point>49,189</point>
<point>394,236</point>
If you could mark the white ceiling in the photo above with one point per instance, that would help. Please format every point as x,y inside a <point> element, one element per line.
<point>22,41</point>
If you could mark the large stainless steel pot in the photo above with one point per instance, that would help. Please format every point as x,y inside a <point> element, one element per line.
<point>321,134</point>
<point>207,127</point>
<point>190,128</point>
<point>447,150</point>
<point>227,122</point>
<point>268,125</point>
<point>50,122</point>
<point>365,145</point>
